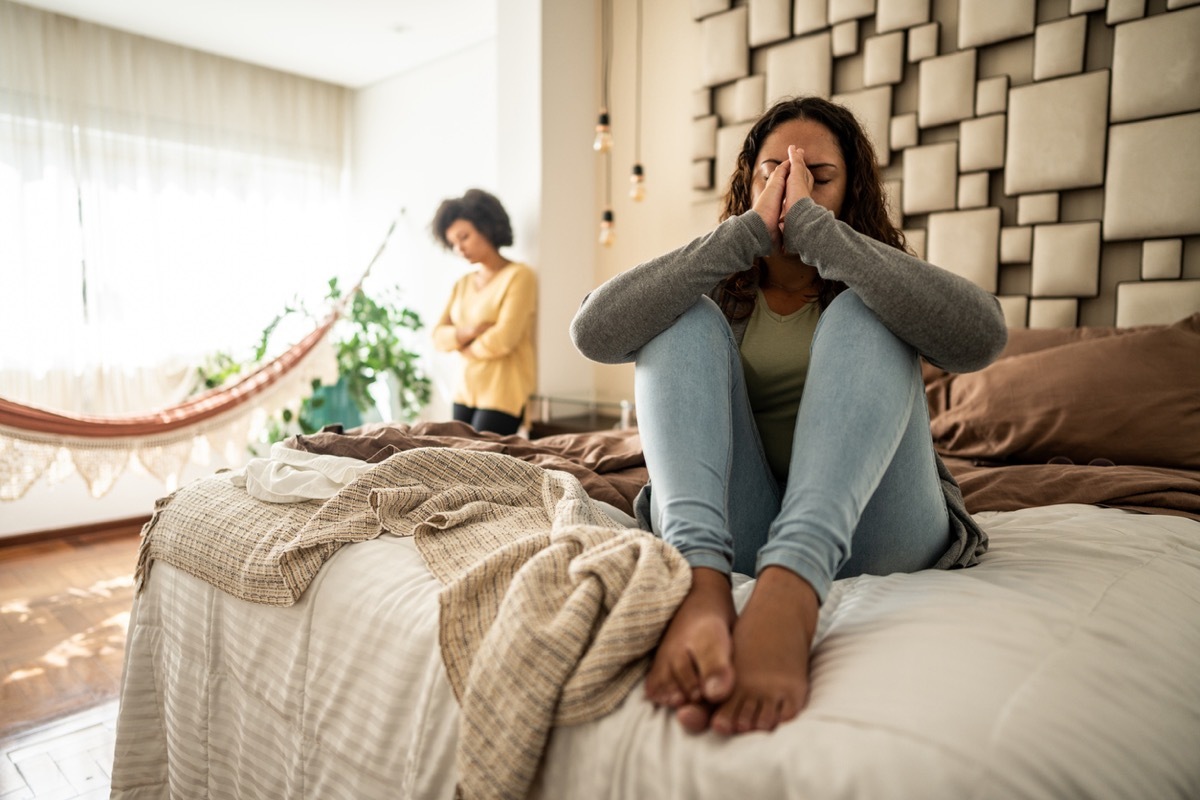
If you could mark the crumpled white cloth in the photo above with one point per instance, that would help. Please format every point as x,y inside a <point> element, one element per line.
<point>294,476</point>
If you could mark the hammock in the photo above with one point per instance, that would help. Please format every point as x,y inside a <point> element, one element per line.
<point>36,442</point>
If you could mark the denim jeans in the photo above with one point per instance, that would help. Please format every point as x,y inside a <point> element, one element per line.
<point>862,495</point>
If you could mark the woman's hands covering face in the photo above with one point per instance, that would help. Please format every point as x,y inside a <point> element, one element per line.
<point>788,183</point>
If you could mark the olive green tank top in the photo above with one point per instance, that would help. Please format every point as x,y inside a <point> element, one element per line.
<point>775,363</point>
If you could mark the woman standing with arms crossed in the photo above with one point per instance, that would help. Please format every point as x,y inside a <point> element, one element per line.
<point>489,319</point>
<point>804,290</point>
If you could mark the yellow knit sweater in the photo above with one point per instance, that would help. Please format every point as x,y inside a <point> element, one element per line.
<point>500,369</point>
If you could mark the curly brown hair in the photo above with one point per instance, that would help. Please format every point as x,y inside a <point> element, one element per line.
<point>863,209</point>
<point>481,209</point>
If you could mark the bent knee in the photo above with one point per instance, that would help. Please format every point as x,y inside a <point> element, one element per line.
<point>703,325</point>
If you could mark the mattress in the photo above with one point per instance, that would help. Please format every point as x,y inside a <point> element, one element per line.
<point>1066,664</point>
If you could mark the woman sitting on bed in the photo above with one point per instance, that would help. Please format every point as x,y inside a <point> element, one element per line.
<point>803,290</point>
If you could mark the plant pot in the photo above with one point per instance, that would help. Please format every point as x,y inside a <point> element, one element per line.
<point>331,405</point>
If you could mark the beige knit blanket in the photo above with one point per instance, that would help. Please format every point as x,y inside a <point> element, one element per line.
<point>548,612</point>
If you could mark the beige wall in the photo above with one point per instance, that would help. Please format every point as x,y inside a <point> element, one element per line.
<point>669,216</point>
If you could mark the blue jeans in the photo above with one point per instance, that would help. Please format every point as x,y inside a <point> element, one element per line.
<point>862,494</point>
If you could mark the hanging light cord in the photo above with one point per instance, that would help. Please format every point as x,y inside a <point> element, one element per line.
<point>637,124</point>
<point>606,34</point>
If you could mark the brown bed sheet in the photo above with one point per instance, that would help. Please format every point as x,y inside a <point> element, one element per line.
<point>611,468</point>
<point>1008,487</point>
<point>609,464</point>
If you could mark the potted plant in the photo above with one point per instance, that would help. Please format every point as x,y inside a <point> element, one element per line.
<point>372,343</point>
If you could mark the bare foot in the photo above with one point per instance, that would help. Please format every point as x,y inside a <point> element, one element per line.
<point>693,667</point>
<point>771,640</point>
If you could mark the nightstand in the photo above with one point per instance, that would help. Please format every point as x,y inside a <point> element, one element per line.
<point>555,414</point>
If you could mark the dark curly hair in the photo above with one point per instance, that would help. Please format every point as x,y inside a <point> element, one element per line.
<point>864,208</point>
<point>479,208</point>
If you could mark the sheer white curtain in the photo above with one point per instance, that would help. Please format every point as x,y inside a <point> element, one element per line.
<point>156,204</point>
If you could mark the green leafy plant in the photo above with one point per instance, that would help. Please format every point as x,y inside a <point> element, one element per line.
<point>372,341</point>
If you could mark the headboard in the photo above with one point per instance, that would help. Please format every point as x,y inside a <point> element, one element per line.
<point>1049,151</point>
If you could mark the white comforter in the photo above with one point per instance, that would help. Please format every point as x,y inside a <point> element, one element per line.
<point>1067,664</point>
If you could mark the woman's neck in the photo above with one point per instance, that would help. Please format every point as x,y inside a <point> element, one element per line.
<point>789,275</point>
<point>493,263</point>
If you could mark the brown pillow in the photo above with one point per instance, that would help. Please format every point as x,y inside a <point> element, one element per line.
<point>1130,399</point>
<point>1020,341</point>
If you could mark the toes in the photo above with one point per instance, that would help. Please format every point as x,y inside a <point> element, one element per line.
<point>687,680</point>
<point>724,720</point>
<point>747,715</point>
<point>694,716</point>
<point>768,716</point>
<point>788,709</point>
<point>660,682</point>
<point>715,666</point>
<point>672,680</point>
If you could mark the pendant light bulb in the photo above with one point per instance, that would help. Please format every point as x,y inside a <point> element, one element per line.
<point>606,228</point>
<point>603,141</point>
<point>637,184</point>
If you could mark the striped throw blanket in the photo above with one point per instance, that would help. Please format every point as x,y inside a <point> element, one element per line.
<point>548,612</point>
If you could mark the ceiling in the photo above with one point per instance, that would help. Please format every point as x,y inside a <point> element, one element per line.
<point>353,43</point>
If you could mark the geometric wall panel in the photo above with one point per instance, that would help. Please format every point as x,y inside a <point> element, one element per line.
<point>1152,185</point>
<point>1100,170</point>
<point>1054,313</point>
<point>845,38</point>
<point>1016,245</point>
<point>1156,66</point>
<point>842,10</point>
<point>1015,308</point>
<point>1156,302</point>
<point>981,143</point>
<point>704,137</point>
<point>873,108</point>
<point>973,190</point>
<point>923,42</point>
<point>895,15</point>
<point>724,44</point>
<point>905,133</point>
<point>915,238</point>
<point>966,243</point>
<point>770,21</point>
<point>930,178</point>
<point>883,59</point>
<point>1056,132</point>
<point>991,96</point>
<point>987,21</point>
<point>1058,48</point>
<point>1034,208</point>
<point>946,92</point>
<point>703,8</point>
<point>1066,260</point>
<point>1124,10</point>
<point>800,66</point>
<point>809,16</point>
<point>1162,258</point>
<point>729,144</point>
<point>748,94</point>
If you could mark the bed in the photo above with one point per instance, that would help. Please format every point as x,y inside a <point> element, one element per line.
<point>460,612</point>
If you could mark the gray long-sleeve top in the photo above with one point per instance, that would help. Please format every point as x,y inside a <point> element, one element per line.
<point>950,321</point>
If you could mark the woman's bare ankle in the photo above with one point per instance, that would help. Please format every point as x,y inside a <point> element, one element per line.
<point>784,589</point>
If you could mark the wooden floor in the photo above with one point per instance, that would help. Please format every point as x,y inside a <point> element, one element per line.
<point>64,610</point>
